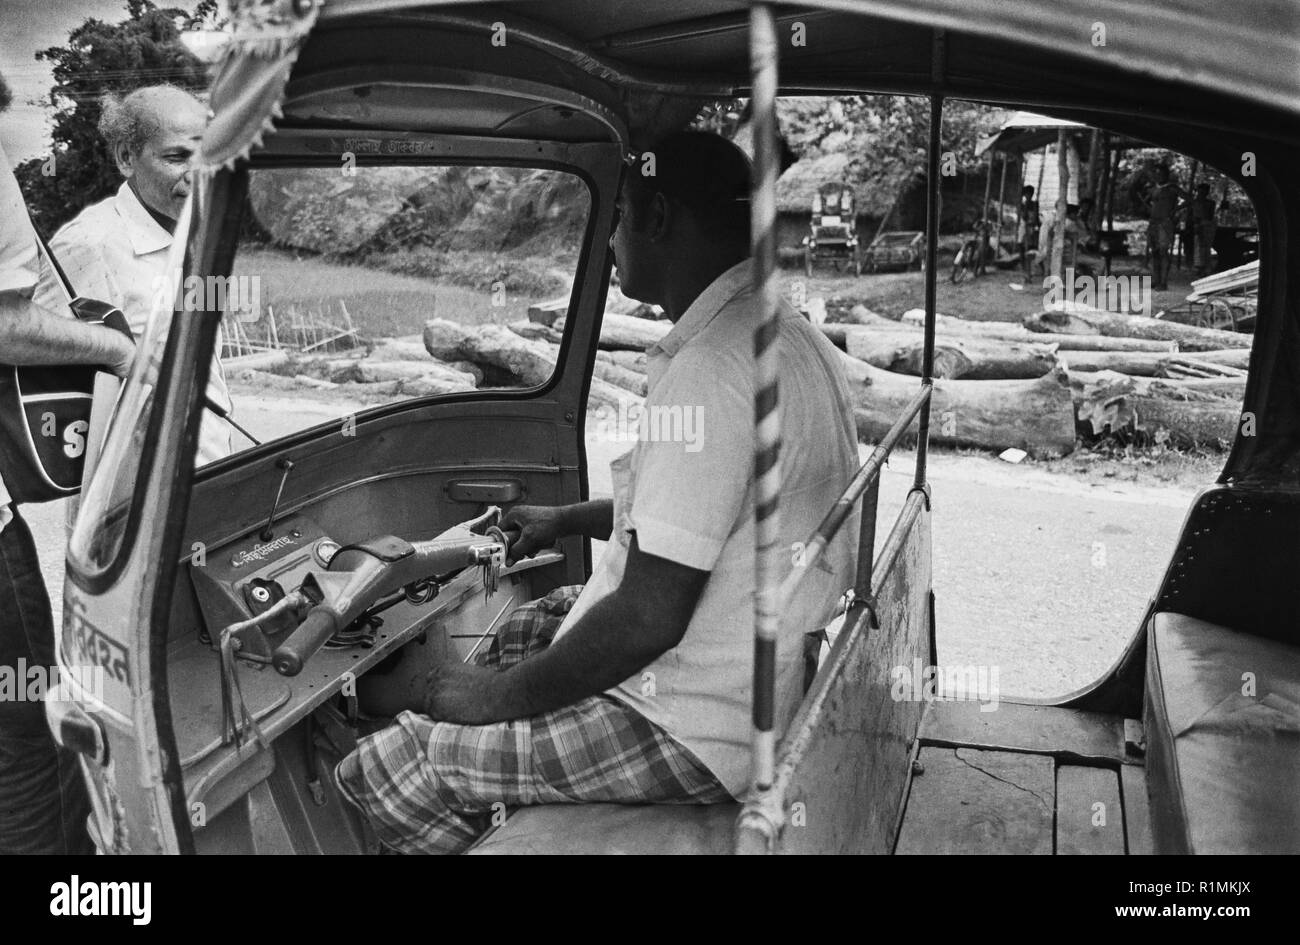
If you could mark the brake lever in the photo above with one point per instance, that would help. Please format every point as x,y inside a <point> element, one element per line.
<point>294,602</point>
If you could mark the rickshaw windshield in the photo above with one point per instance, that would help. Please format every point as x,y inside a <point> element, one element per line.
<point>106,503</point>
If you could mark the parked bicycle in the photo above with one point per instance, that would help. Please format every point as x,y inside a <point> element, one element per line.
<point>973,258</point>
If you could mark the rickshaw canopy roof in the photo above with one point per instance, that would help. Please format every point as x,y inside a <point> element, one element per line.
<point>1250,53</point>
<point>649,63</point>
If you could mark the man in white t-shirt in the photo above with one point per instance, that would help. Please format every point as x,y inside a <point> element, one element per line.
<point>116,250</point>
<point>43,802</point>
<point>637,687</point>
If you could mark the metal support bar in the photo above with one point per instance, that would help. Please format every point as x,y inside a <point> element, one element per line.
<point>865,477</point>
<point>767,413</point>
<point>862,584</point>
<point>931,271</point>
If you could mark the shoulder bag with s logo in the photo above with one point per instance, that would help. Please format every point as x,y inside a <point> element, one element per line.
<point>45,412</point>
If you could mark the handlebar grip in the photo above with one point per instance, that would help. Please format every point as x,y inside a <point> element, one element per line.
<point>304,642</point>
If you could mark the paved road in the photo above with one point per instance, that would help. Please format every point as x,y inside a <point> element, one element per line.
<point>1035,574</point>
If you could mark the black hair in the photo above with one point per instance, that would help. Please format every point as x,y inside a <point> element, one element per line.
<point>704,173</point>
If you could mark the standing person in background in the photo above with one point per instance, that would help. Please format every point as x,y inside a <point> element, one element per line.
<point>116,250</point>
<point>1030,220</point>
<point>1162,208</point>
<point>1204,226</point>
<point>43,801</point>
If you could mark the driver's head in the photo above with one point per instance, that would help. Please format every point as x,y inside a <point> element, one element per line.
<point>152,133</point>
<point>687,206</point>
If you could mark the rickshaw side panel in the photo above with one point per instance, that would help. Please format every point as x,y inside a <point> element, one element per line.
<point>851,775</point>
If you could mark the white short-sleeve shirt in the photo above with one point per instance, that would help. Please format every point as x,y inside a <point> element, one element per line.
<point>686,490</point>
<point>20,266</point>
<point>115,251</point>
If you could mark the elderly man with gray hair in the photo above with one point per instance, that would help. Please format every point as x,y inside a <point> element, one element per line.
<point>117,250</point>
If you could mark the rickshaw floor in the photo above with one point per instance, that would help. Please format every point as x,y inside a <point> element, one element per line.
<point>1018,778</point>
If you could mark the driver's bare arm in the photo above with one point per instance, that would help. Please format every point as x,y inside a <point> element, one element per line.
<point>541,526</point>
<point>617,637</point>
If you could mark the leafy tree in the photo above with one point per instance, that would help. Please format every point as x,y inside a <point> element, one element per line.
<point>884,137</point>
<point>144,49</point>
<point>5,95</point>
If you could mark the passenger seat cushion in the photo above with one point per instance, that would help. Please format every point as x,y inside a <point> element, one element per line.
<point>1223,739</point>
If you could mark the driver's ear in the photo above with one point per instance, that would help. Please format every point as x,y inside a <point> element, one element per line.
<point>659,218</point>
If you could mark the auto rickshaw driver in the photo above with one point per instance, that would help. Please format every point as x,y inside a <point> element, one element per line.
<point>636,687</point>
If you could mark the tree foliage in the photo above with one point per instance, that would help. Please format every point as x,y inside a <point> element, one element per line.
<point>884,138</point>
<point>144,49</point>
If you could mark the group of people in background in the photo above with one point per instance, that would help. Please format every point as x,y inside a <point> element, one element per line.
<point>1165,202</point>
<point>116,251</point>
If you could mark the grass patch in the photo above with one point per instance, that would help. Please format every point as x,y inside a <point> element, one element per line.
<point>386,304</point>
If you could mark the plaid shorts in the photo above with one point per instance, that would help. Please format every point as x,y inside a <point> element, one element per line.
<point>434,787</point>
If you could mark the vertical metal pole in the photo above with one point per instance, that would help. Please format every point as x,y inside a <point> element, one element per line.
<point>867,543</point>
<point>931,252</point>
<point>767,416</point>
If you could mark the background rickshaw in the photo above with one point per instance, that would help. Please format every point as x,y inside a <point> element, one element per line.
<point>833,229</point>
<point>1180,756</point>
<point>895,249</point>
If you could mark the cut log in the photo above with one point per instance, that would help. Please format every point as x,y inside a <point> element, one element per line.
<point>858,315</point>
<point>970,358</point>
<point>1103,343</point>
<point>546,313</point>
<point>400,349</point>
<point>1166,411</point>
<point>412,349</point>
<point>1230,388</point>
<point>1096,322</point>
<point>422,387</point>
<point>528,362</point>
<point>535,331</point>
<point>1147,365</point>
<point>467,367</point>
<point>1036,415</point>
<point>951,325</point>
<point>627,333</point>
<point>632,360</point>
<point>261,361</point>
<point>619,376</point>
<point>370,371</point>
<point>1233,357</point>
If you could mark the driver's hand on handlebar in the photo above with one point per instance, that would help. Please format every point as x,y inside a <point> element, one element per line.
<point>539,528</point>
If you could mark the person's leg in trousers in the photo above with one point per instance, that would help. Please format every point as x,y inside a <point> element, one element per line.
<point>433,787</point>
<point>43,800</point>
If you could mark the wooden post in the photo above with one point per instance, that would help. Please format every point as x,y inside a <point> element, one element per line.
<point>1002,196</point>
<point>1103,184</point>
<point>272,335</point>
<point>1094,170</point>
<point>1062,203</point>
<point>988,185</point>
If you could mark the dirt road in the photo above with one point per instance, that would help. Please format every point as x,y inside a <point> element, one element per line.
<point>1035,573</point>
